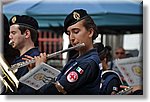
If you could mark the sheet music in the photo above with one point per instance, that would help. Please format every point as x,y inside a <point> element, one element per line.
<point>39,76</point>
<point>131,69</point>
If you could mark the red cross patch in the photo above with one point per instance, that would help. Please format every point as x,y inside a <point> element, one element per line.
<point>72,76</point>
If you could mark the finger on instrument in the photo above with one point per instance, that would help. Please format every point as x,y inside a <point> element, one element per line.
<point>29,57</point>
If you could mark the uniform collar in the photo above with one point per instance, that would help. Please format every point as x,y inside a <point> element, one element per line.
<point>87,54</point>
<point>28,52</point>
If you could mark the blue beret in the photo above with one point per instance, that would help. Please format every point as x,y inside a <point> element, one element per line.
<point>24,20</point>
<point>74,17</point>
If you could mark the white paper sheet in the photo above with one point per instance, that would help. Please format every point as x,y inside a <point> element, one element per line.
<point>131,69</point>
<point>39,76</point>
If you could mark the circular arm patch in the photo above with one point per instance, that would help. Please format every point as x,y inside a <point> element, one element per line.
<point>72,76</point>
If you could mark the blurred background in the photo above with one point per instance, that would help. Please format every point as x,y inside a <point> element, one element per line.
<point>119,22</point>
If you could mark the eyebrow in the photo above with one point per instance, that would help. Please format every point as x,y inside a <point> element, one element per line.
<point>75,28</point>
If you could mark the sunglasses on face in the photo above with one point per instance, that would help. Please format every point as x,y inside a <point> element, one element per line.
<point>119,53</point>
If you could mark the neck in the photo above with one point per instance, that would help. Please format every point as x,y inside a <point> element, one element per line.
<point>26,48</point>
<point>85,49</point>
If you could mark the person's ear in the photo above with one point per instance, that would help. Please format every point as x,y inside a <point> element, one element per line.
<point>27,33</point>
<point>91,32</point>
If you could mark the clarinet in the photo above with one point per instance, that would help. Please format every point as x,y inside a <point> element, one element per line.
<point>25,63</point>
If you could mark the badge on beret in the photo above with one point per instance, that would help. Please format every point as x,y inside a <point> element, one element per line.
<point>76,15</point>
<point>72,76</point>
<point>14,19</point>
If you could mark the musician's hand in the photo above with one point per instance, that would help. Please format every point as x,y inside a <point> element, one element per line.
<point>28,58</point>
<point>113,92</point>
<point>40,59</point>
<point>137,87</point>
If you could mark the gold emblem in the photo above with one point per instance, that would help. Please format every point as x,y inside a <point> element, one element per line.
<point>14,19</point>
<point>76,15</point>
<point>137,70</point>
<point>39,76</point>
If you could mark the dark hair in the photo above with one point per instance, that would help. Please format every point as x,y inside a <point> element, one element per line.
<point>5,24</point>
<point>99,46</point>
<point>106,53</point>
<point>34,33</point>
<point>89,23</point>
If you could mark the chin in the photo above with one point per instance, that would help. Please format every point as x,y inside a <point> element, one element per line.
<point>14,47</point>
<point>77,49</point>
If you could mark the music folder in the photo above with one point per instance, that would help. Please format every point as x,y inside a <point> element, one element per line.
<point>39,76</point>
<point>131,69</point>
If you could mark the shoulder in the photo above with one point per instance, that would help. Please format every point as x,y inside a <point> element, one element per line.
<point>89,62</point>
<point>92,59</point>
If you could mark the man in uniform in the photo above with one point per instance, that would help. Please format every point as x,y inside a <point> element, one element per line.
<point>82,75</point>
<point>7,48</point>
<point>23,35</point>
<point>120,53</point>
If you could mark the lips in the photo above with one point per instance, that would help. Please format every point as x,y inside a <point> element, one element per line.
<point>11,42</point>
<point>74,44</point>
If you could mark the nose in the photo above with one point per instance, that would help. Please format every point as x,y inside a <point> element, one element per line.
<point>72,37</point>
<point>10,36</point>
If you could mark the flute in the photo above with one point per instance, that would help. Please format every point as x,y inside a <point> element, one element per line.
<point>10,42</point>
<point>126,91</point>
<point>25,63</point>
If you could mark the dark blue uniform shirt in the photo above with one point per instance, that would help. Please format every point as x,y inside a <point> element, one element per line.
<point>79,76</point>
<point>24,89</point>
